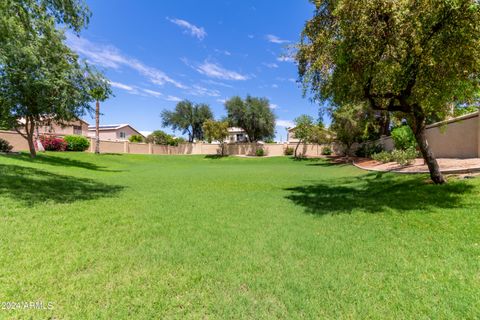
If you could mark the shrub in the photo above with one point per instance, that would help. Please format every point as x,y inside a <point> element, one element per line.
<point>51,143</point>
<point>135,138</point>
<point>260,152</point>
<point>383,157</point>
<point>288,151</point>
<point>5,146</point>
<point>326,151</point>
<point>367,149</point>
<point>77,143</point>
<point>404,157</point>
<point>403,138</point>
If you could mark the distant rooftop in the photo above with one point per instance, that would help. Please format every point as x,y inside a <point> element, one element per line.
<point>109,126</point>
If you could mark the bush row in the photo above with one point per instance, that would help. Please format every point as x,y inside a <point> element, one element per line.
<point>68,143</point>
<point>402,157</point>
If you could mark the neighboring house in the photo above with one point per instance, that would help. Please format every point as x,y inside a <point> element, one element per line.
<point>114,132</point>
<point>291,135</point>
<point>76,127</point>
<point>237,135</point>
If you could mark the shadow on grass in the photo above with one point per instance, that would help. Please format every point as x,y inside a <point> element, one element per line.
<point>32,186</point>
<point>215,156</point>
<point>59,161</point>
<point>377,192</point>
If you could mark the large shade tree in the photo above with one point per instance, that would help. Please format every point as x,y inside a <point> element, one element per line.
<point>410,57</point>
<point>188,117</point>
<point>253,115</point>
<point>41,79</point>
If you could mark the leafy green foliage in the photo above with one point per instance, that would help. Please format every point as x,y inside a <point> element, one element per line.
<point>404,157</point>
<point>288,151</point>
<point>412,57</point>
<point>326,151</point>
<point>188,117</point>
<point>77,143</point>
<point>348,126</point>
<point>383,156</point>
<point>260,152</point>
<point>215,130</point>
<point>367,149</point>
<point>162,138</point>
<point>5,146</point>
<point>403,138</point>
<point>136,138</point>
<point>41,78</point>
<point>253,115</point>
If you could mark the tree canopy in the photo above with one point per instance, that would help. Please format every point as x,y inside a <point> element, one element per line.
<point>188,117</point>
<point>412,57</point>
<point>216,130</point>
<point>41,78</point>
<point>253,115</point>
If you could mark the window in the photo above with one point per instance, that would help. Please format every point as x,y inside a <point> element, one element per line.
<point>122,135</point>
<point>77,130</point>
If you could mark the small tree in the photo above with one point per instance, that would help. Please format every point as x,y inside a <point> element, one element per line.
<point>348,126</point>
<point>253,115</point>
<point>303,130</point>
<point>135,138</point>
<point>187,117</point>
<point>162,138</point>
<point>41,81</point>
<point>216,130</point>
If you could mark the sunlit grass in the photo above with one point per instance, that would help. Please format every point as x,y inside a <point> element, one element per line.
<point>152,237</point>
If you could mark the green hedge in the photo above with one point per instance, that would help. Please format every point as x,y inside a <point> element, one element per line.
<point>77,143</point>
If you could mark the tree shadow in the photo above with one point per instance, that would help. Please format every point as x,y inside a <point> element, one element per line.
<point>215,156</point>
<point>32,186</point>
<point>377,192</point>
<point>59,161</point>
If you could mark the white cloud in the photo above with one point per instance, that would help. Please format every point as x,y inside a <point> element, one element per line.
<point>216,83</point>
<point>285,123</point>
<point>225,52</point>
<point>222,101</point>
<point>190,28</point>
<point>274,39</point>
<point>122,86</point>
<point>271,65</point>
<point>173,98</point>
<point>274,86</point>
<point>216,71</point>
<point>152,92</point>
<point>110,57</point>
<point>285,59</point>
<point>273,106</point>
<point>197,90</point>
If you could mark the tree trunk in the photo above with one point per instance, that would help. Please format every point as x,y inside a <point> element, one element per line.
<point>428,156</point>
<point>97,127</point>
<point>296,148</point>
<point>29,130</point>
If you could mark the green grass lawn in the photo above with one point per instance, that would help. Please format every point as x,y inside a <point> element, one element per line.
<point>151,237</point>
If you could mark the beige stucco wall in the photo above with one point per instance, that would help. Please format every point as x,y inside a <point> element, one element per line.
<point>15,139</point>
<point>138,148</point>
<point>455,140</point>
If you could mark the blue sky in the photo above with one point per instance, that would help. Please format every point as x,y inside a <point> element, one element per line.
<point>158,52</point>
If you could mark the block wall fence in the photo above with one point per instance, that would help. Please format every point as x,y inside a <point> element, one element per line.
<point>455,138</point>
